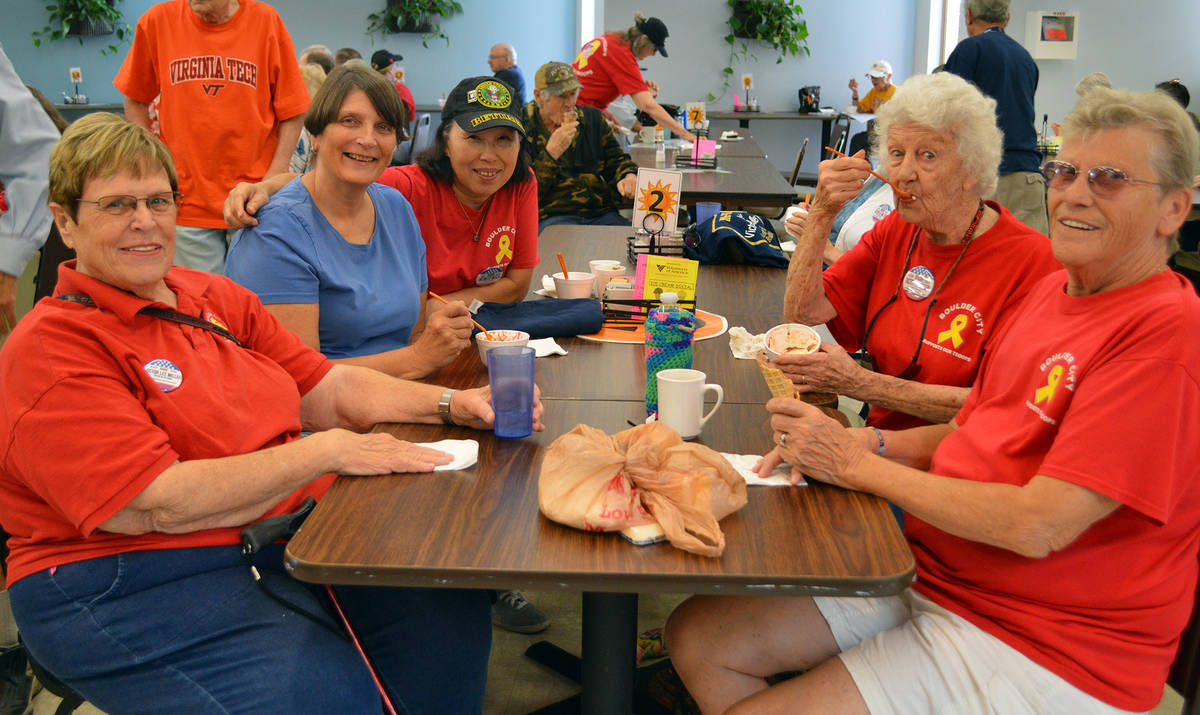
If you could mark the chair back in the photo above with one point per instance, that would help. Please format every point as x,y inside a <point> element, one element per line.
<point>799,161</point>
<point>1184,677</point>
<point>403,153</point>
<point>53,253</point>
<point>838,134</point>
<point>422,135</point>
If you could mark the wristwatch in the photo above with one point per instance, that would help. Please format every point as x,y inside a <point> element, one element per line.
<point>444,407</point>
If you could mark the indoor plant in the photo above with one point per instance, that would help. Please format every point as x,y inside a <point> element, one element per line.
<point>779,23</point>
<point>421,16</point>
<point>83,18</point>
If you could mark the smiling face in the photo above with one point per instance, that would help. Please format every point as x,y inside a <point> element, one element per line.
<point>1105,242</point>
<point>357,146</point>
<point>131,252</point>
<point>482,161</point>
<point>926,164</point>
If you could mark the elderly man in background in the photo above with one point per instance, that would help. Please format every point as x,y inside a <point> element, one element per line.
<point>1072,460</point>
<point>26,137</point>
<point>582,171</point>
<point>231,110</point>
<point>346,53</point>
<point>1004,71</point>
<point>503,60</point>
<point>317,55</point>
<point>881,90</point>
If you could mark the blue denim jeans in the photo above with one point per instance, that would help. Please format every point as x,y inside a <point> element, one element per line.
<point>188,630</point>
<point>612,218</point>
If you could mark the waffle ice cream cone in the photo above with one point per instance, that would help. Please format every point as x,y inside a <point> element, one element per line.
<point>777,382</point>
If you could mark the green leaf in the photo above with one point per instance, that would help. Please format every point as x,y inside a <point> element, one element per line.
<point>728,70</point>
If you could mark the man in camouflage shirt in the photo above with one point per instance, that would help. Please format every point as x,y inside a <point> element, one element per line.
<point>582,172</point>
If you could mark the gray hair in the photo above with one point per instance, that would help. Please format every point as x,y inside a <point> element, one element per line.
<point>1092,81</point>
<point>1173,157</point>
<point>988,10</point>
<point>947,104</point>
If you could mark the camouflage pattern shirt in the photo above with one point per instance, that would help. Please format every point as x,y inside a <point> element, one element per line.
<point>583,180</point>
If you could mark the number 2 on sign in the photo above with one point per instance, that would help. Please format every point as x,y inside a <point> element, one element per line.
<point>657,194</point>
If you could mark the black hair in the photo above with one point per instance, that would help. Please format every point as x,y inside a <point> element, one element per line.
<point>436,162</point>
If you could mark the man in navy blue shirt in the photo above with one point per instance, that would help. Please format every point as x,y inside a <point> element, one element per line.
<point>503,61</point>
<point>1004,71</point>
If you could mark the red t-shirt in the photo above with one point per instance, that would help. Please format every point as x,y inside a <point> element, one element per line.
<point>225,87</point>
<point>607,69</point>
<point>98,401</point>
<point>406,96</point>
<point>455,258</point>
<point>1100,391</point>
<point>999,267</point>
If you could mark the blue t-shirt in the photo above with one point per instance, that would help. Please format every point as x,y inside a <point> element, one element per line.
<point>513,77</point>
<point>1004,71</point>
<point>369,295</point>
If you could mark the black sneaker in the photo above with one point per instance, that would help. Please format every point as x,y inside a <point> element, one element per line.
<point>14,682</point>
<point>512,612</point>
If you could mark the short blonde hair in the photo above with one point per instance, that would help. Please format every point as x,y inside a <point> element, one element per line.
<point>947,104</point>
<point>314,77</point>
<point>99,146</point>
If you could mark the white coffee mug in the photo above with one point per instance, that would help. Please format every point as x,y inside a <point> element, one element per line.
<point>681,400</point>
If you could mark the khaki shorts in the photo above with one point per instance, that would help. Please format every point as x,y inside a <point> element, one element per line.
<point>1024,194</point>
<point>909,655</point>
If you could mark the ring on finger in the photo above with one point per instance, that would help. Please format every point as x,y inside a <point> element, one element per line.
<point>783,439</point>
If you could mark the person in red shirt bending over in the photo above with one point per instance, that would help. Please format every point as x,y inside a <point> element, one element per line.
<point>1055,521</point>
<point>607,67</point>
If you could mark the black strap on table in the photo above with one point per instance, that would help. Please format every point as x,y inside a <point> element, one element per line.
<point>163,313</point>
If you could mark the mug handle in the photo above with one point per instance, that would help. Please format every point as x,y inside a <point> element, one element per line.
<point>720,398</point>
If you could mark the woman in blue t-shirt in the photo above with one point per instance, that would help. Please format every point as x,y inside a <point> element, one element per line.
<point>340,260</point>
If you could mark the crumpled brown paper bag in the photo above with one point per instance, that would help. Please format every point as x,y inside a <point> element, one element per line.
<point>596,482</point>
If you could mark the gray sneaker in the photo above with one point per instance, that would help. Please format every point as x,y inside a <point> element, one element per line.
<point>512,612</point>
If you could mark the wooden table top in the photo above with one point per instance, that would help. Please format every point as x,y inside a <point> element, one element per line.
<point>481,528</point>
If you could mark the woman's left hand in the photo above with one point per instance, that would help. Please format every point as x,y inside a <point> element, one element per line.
<point>811,441</point>
<point>831,369</point>
<point>473,408</point>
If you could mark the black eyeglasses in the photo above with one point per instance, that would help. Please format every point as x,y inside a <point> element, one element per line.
<point>1104,181</point>
<point>124,204</point>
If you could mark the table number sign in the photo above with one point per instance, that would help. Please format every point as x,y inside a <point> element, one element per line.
<point>656,200</point>
<point>696,114</point>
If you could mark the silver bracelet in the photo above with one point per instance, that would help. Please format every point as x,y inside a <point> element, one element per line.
<point>879,435</point>
<point>444,407</point>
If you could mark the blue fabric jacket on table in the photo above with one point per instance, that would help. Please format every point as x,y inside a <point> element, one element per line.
<point>369,295</point>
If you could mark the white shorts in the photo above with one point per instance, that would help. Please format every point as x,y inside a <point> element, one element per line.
<point>909,655</point>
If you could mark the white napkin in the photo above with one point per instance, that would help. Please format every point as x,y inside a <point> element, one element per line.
<point>464,451</point>
<point>548,288</point>
<point>743,344</point>
<point>546,346</point>
<point>744,464</point>
<point>788,246</point>
<point>730,136</point>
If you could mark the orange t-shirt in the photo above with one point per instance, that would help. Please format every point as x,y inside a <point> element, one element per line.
<point>225,88</point>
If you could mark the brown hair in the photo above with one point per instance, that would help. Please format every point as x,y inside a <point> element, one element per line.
<point>99,146</point>
<point>341,81</point>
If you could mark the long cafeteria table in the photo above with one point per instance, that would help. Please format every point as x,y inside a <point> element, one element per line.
<point>481,527</point>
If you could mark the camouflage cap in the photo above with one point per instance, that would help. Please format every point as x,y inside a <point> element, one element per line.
<point>557,78</point>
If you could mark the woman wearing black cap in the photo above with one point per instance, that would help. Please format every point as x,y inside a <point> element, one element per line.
<point>607,67</point>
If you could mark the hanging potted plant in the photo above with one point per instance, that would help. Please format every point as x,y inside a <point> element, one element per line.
<point>779,23</point>
<point>419,16</point>
<point>83,18</point>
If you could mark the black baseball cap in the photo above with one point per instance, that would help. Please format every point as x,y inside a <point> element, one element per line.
<point>479,103</point>
<point>383,58</point>
<point>654,29</point>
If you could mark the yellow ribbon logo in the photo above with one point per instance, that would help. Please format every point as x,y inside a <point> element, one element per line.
<point>505,251</point>
<point>1047,393</point>
<point>956,326</point>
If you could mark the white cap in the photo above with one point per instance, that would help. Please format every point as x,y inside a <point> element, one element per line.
<point>879,69</point>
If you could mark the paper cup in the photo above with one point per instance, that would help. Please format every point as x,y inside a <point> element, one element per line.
<point>485,341</point>
<point>576,284</point>
<point>791,211</point>
<point>605,270</point>
<point>791,338</point>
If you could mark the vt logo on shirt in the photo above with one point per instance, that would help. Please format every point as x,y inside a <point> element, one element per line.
<point>205,68</point>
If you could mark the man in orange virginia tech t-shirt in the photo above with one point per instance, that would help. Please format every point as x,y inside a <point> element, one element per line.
<point>232,104</point>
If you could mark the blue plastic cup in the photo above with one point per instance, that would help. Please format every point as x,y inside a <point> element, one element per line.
<point>706,210</point>
<point>510,372</point>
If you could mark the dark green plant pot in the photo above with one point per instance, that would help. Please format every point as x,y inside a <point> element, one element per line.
<point>91,28</point>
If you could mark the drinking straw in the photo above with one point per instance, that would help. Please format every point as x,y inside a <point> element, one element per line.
<point>903,194</point>
<point>563,263</point>
<point>438,297</point>
<point>807,197</point>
